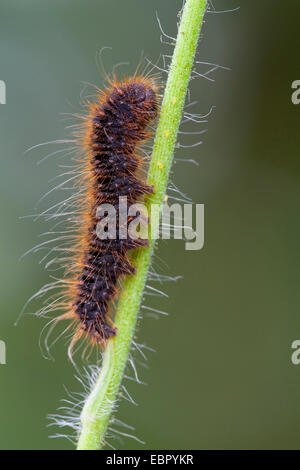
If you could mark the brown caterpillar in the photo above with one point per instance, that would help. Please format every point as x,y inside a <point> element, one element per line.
<point>115,126</point>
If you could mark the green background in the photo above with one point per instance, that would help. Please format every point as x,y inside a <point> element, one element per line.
<point>222,376</point>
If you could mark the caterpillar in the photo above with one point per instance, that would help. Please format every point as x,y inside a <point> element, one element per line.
<point>112,131</point>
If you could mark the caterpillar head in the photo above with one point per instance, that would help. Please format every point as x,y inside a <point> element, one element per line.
<point>142,99</point>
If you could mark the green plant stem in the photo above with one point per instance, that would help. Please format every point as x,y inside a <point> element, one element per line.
<point>100,403</point>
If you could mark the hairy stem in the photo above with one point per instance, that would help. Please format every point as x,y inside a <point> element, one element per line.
<point>100,403</point>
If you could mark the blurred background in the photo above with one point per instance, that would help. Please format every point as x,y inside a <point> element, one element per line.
<point>222,376</point>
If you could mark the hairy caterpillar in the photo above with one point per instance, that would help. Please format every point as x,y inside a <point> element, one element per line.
<point>114,127</point>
